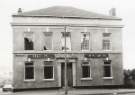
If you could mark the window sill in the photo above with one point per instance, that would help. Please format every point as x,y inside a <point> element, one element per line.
<point>107,50</point>
<point>85,50</point>
<point>48,79</point>
<point>66,50</point>
<point>29,49</point>
<point>47,50</point>
<point>107,78</point>
<point>29,80</point>
<point>86,79</point>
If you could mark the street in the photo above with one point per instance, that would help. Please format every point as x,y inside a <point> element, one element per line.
<point>42,93</point>
<point>127,94</point>
<point>58,94</point>
<point>74,92</point>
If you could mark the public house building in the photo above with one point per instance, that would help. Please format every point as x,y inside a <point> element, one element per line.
<point>44,39</point>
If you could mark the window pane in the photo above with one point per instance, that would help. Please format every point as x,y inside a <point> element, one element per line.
<point>48,72</point>
<point>29,64</point>
<point>65,34</point>
<point>87,63</point>
<point>47,41</point>
<point>28,43</point>
<point>107,71</point>
<point>29,71</point>
<point>85,41</point>
<point>107,62</point>
<point>106,34</point>
<point>106,44</point>
<point>85,71</point>
<point>68,41</point>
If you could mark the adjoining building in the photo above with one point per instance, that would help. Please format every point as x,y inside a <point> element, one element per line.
<point>94,48</point>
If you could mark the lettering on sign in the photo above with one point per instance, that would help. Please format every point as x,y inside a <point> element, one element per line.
<point>41,56</point>
<point>96,55</point>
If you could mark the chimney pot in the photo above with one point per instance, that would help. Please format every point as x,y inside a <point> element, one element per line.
<point>112,12</point>
<point>19,10</point>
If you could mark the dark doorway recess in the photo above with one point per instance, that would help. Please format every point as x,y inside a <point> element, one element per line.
<point>69,74</point>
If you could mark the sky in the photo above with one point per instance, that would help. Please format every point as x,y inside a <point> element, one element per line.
<point>124,9</point>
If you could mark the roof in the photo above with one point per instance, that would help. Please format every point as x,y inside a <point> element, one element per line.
<point>66,12</point>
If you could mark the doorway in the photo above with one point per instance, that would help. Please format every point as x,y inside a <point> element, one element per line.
<point>69,74</point>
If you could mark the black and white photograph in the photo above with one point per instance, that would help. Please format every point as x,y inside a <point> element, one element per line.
<point>67,47</point>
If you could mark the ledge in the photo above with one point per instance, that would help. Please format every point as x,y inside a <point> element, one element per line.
<point>62,52</point>
<point>86,79</point>
<point>29,80</point>
<point>107,78</point>
<point>48,79</point>
<point>119,25</point>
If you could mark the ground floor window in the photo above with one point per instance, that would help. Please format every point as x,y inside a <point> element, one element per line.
<point>86,72</point>
<point>48,70</point>
<point>29,70</point>
<point>107,69</point>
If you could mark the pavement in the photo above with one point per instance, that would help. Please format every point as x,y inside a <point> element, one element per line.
<point>74,92</point>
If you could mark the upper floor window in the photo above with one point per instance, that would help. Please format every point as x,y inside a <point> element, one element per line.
<point>106,41</point>
<point>29,70</point>
<point>47,41</point>
<point>107,69</point>
<point>106,44</point>
<point>85,37</point>
<point>28,41</point>
<point>67,36</point>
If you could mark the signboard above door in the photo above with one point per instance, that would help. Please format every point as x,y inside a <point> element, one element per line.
<point>41,56</point>
<point>96,55</point>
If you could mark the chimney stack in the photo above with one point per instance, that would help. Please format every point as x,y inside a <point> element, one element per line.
<point>19,10</point>
<point>112,12</point>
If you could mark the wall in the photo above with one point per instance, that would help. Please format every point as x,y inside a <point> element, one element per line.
<point>42,24</point>
<point>61,21</point>
<point>95,37</point>
<point>97,72</point>
<point>38,82</point>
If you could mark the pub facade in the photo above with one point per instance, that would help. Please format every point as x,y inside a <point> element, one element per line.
<point>93,48</point>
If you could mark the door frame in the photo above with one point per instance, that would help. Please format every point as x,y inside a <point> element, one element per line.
<point>69,67</point>
<point>74,62</point>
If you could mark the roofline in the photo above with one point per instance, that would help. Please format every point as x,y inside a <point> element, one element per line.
<point>72,25</point>
<point>75,17</point>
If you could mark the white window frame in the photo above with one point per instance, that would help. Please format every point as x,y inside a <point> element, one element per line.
<point>89,41</point>
<point>33,38</point>
<point>51,41</point>
<point>66,41</point>
<point>33,74</point>
<point>51,79</point>
<point>109,45</point>
<point>88,78</point>
<point>111,76</point>
<point>107,38</point>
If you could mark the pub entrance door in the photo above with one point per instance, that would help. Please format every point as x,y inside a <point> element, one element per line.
<point>69,74</point>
